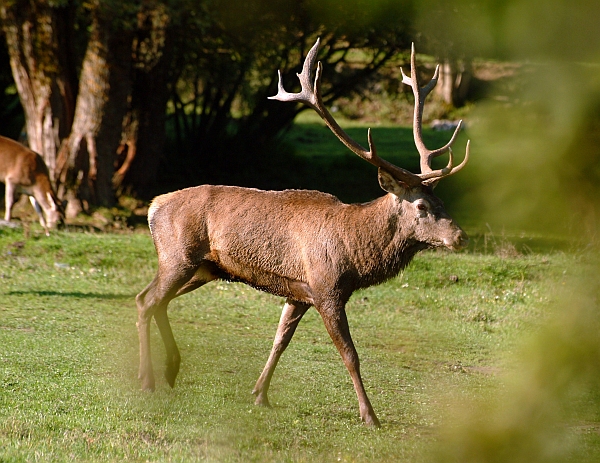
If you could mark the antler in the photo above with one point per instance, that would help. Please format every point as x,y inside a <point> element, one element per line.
<point>311,96</point>
<point>428,175</point>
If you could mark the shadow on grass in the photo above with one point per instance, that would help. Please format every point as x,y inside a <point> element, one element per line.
<point>75,294</point>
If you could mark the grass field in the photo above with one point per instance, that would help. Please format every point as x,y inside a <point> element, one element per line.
<point>485,355</point>
<point>449,326</point>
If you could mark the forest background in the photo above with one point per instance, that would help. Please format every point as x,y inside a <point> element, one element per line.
<point>134,98</point>
<point>145,96</point>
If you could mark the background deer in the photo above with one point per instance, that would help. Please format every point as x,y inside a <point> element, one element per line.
<point>306,246</point>
<point>24,171</point>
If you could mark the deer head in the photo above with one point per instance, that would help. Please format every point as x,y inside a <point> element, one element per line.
<point>414,192</point>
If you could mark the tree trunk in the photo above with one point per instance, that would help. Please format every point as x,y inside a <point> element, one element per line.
<point>39,63</point>
<point>88,155</point>
<point>86,126</point>
<point>454,81</point>
<point>151,97</point>
<point>144,138</point>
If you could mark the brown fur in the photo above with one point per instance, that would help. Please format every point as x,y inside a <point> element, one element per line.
<point>24,171</point>
<point>306,246</point>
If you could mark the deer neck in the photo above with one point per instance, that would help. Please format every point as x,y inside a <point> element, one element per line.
<point>384,242</point>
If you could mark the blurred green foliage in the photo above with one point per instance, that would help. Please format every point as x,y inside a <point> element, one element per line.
<point>536,165</point>
<point>536,152</point>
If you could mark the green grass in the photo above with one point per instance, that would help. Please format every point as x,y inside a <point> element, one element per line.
<point>441,345</point>
<point>451,323</point>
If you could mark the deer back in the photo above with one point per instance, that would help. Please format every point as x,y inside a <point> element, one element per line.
<point>287,242</point>
<point>19,163</point>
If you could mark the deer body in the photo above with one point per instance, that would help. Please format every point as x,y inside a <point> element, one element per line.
<point>305,246</point>
<point>317,240</point>
<point>24,171</point>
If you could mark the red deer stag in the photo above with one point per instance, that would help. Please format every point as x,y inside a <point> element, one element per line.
<point>305,246</point>
<point>24,171</point>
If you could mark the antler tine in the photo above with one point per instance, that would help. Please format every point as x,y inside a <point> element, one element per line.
<point>425,153</point>
<point>307,95</point>
<point>311,95</point>
<point>440,172</point>
<point>431,178</point>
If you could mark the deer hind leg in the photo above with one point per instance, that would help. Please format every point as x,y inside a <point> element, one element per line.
<point>290,317</point>
<point>153,302</point>
<point>336,323</point>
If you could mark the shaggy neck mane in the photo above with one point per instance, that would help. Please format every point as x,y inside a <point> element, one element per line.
<point>386,245</point>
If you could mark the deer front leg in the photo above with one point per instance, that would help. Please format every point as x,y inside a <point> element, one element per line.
<point>336,323</point>
<point>173,356</point>
<point>38,209</point>
<point>290,317</point>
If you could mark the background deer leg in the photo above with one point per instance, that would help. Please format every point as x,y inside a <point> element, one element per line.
<point>336,323</point>
<point>290,317</point>
<point>9,199</point>
<point>38,208</point>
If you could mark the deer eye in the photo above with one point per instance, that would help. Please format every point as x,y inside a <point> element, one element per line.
<point>421,206</point>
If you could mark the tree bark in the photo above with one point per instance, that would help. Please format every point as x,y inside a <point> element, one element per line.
<point>39,61</point>
<point>144,135</point>
<point>77,133</point>
<point>88,155</point>
<point>454,81</point>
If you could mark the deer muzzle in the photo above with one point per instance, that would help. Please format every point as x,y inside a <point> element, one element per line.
<point>459,240</point>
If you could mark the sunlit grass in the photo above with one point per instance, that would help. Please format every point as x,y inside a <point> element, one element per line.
<point>451,323</point>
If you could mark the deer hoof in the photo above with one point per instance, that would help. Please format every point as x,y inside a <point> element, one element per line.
<point>170,376</point>
<point>261,400</point>
<point>147,383</point>
<point>147,387</point>
<point>371,421</point>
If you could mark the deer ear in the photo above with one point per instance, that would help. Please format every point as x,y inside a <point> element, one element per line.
<point>390,184</point>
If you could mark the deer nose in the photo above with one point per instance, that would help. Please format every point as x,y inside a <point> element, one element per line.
<point>463,239</point>
<point>459,241</point>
